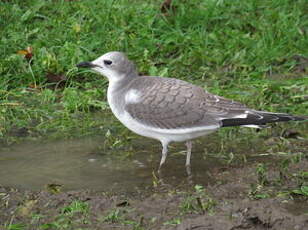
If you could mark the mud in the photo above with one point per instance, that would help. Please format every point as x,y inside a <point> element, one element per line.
<point>251,182</point>
<point>228,202</point>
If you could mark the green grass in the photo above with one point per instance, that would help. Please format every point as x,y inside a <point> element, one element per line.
<point>118,216</point>
<point>71,216</point>
<point>243,50</point>
<point>76,215</point>
<point>198,202</point>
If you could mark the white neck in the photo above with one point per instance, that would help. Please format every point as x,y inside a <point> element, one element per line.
<point>116,93</point>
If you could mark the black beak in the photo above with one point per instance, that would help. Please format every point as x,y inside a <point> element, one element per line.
<point>85,64</point>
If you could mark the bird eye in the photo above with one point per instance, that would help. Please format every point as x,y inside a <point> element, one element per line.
<point>107,62</point>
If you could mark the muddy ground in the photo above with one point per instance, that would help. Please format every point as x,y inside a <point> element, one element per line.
<point>243,196</point>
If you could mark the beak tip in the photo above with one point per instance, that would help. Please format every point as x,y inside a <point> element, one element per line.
<point>84,64</point>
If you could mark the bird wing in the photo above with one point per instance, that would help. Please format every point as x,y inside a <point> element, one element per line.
<point>169,103</point>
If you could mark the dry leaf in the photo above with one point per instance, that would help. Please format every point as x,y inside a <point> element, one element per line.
<point>28,53</point>
<point>34,86</point>
<point>55,78</point>
<point>166,7</point>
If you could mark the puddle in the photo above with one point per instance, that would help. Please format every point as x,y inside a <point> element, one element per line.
<point>83,164</point>
<point>79,164</point>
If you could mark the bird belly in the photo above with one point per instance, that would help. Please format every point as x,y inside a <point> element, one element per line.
<point>167,135</point>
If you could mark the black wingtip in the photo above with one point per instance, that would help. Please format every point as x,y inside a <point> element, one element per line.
<point>253,119</point>
<point>287,117</point>
<point>300,118</point>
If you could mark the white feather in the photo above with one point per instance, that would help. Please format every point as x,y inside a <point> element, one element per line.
<point>133,96</point>
<point>244,115</point>
<point>252,126</point>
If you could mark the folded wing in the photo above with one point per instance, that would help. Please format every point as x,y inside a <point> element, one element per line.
<point>169,103</point>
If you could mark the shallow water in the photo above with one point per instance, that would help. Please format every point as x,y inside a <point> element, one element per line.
<point>84,164</point>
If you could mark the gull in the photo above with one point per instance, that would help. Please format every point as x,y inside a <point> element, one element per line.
<point>169,109</point>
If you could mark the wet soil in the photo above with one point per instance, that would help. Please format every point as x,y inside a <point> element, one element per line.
<point>233,208</point>
<point>232,194</point>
